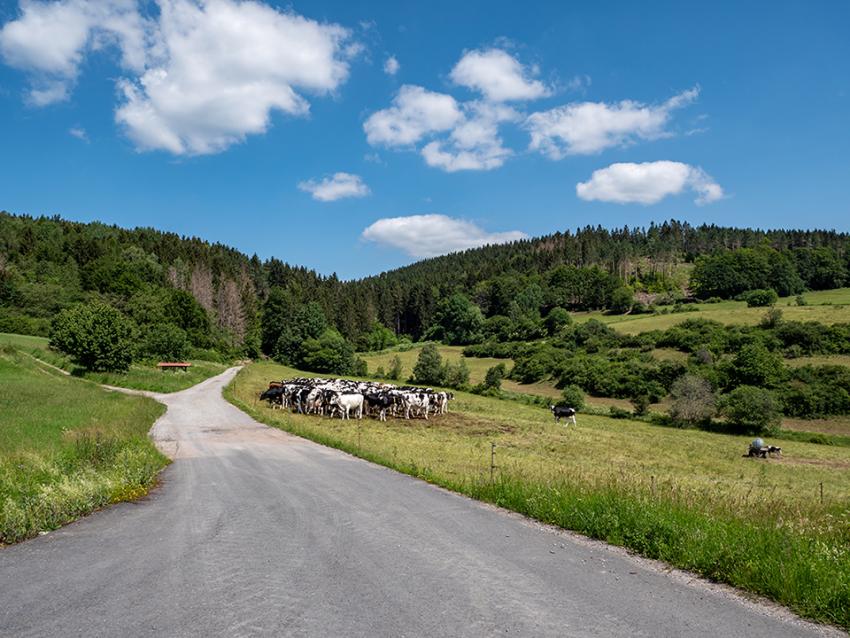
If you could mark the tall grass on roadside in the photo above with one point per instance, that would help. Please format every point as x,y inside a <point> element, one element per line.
<point>67,448</point>
<point>684,497</point>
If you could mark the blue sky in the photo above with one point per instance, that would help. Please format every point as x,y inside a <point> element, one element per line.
<point>281,129</point>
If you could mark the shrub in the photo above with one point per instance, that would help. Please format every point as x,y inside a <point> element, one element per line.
<point>380,338</point>
<point>395,370</point>
<point>556,320</point>
<point>640,404</point>
<point>756,365</point>
<point>573,397</point>
<point>693,400</point>
<point>494,376</point>
<point>622,300</point>
<point>360,368</point>
<point>619,413</point>
<point>97,336</point>
<point>455,375</point>
<point>756,409</point>
<point>167,342</point>
<point>771,319</point>
<point>761,298</point>
<point>800,300</point>
<point>429,367</point>
<point>533,368</point>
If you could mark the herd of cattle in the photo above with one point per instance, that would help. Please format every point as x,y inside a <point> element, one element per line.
<point>332,397</point>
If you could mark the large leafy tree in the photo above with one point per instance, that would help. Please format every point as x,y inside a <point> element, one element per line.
<point>97,336</point>
<point>330,352</point>
<point>458,321</point>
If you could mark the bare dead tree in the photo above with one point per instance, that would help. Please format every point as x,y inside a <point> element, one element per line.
<point>229,310</point>
<point>201,286</point>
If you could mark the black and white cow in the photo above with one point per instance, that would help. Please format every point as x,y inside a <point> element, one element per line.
<point>563,411</point>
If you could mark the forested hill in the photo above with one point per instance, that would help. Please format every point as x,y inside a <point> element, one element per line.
<point>223,299</point>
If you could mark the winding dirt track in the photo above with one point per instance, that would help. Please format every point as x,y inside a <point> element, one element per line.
<point>255,532</point>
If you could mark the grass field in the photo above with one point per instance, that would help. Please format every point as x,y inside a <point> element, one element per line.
<point>826,306</point>
<point>683,496</point>
<point>477,366</point>
<point>67,447</point>
<point>138,377</point>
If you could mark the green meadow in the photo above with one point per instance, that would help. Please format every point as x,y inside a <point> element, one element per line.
<point>67,447</point>
<point>825,306</point>
<point>686,497</point>
<point>140,376</point>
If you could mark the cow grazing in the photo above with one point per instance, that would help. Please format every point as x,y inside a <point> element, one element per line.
<point>274,396</point>
<point>563,411</point>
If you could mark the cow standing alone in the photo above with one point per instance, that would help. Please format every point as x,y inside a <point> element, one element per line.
<point>563,411</point>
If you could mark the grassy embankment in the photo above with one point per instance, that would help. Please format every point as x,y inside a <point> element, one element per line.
<point>67,447</point>
<point>682,496</point>
<point>138,377</point>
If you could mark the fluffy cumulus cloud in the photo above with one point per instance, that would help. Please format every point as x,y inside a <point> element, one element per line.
<point>224,66</point>
<point>339,186</point>
<point>591,127</point>
<point>431,235</point>
<point>415,113</point>
<point>498,76</point>
<point>51,39</point>
<point>391,66</point>
<point>205,74</point>
<point>459,136</point>
<point>648,183</point>
<point>474,144</point>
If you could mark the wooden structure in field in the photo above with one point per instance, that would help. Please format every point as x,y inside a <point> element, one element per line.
<point>183,365</point>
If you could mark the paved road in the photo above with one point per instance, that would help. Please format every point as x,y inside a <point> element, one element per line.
<point>255,532</point>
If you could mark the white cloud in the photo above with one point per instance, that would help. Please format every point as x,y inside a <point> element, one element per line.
<point>431,235</point>
<point>591,127</point>
<point>79,132</point>
<point>415,112</point>
<point>391,66</point>
<point>498,76</point>
<point>50,41</point>
<point>340,186</point>
<point>224,67</point>
<point>204,73</point>
<point>648,183</point>
<point>474,144</point>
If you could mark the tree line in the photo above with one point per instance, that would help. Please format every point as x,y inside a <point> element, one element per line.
<point>210,297</point>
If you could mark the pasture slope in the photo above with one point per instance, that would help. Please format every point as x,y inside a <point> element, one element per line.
<point>67,447</point>
<point>682,496</point>
<point>825,306</point>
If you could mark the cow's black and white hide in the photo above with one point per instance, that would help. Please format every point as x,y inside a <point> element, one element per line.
<point>563,411</point>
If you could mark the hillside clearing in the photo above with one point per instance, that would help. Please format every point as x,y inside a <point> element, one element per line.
<point>663,492</point>
<point>825,306</point>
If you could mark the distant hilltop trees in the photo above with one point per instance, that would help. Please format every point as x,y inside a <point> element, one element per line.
<point>214,298</point>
